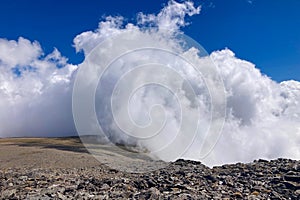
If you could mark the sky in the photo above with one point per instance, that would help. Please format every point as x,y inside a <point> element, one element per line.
<point>263,32</point>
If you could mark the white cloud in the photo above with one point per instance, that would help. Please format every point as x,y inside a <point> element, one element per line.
<point>171,18</point>
<point>250,1</point>
<point>35,101</point>
<point>21,52</point>
<point>263,116</point>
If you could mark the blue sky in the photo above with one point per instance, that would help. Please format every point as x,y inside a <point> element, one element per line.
<point>264,32</point>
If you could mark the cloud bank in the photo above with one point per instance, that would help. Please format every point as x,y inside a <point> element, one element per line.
<point>262,118</point>
<point>35,91</point>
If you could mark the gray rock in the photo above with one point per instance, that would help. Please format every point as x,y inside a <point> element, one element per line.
<point>7,194</point>
<point>293,177</point>
<point>276,179</point>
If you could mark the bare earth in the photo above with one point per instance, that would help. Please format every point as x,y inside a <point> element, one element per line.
<point>44,153</point>
<point>69,152</point>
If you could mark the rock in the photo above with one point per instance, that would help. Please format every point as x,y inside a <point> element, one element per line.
<point>276,179</point>
<point>238,195</point>
<point>255,193</point>
<point>262,161</point>
<point>291,185</point>
<point>291,173</point>
<point>211,177</point>
<point>297,167</point>
<point>260,174</point>
<point>61,196</point>
<point>8,194</point>
<point>154,193</point>
<point>293,178</point>
<point>151,183</point>
<point>276,195</point>
<point>105,187</point>
<point>23,178</point>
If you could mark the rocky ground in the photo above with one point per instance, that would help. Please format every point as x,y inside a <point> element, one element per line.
<point>89,179</point>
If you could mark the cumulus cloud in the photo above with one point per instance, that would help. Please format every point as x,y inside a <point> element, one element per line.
<point>170,19</point>
<point>262,116</point>
<point>21,52</point>
<point>35,90</point>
